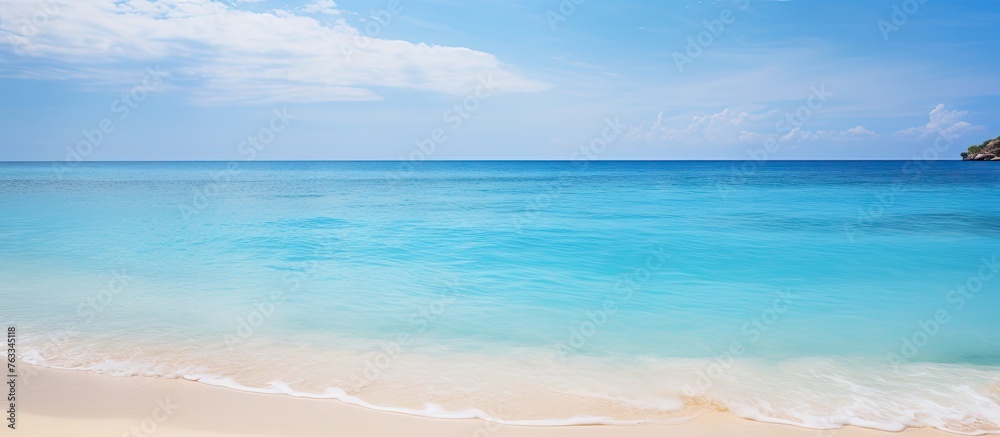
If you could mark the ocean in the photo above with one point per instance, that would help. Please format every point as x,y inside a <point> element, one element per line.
<point>818,294</point>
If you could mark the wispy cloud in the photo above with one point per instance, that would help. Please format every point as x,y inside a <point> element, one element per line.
<point>741,127</point>
<point>322,6</point>
<point>732,127</point>
<point>226,55</point>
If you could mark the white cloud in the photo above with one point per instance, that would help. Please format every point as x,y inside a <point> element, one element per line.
<point>223,54</point>
<point>322,6</point>
<point>941,121</point>
<point>860,131</point>
<point>855,133</point>
<point>727,124</point>
<point>732,127</point>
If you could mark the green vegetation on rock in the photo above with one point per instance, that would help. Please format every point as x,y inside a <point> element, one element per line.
<point>988,150</point>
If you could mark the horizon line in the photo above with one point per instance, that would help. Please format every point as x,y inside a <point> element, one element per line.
<point>478,160</point>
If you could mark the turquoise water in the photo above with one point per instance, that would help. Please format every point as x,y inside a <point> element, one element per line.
<point>811,293</point>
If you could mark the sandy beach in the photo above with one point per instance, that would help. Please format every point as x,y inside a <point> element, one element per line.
<point>508,218</point>
<point>68,402</point>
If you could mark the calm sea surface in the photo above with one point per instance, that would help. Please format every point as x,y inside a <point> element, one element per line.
<point>812,293</point>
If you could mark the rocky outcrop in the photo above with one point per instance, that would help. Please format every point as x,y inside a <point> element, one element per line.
<point>980,157</point>
<point>989,150</point>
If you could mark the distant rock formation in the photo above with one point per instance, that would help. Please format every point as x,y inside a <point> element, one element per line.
<point>988,151</point>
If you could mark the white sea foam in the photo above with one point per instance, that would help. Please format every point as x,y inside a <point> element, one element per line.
<point>530,389</point>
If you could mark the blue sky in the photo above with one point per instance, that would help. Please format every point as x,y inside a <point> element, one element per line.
<point>544,79</point>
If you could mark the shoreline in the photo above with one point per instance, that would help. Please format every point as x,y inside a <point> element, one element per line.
<point>55,402</point>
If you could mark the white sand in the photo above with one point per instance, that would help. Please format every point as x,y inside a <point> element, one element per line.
<point>76,403</point>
